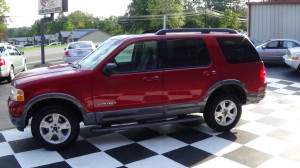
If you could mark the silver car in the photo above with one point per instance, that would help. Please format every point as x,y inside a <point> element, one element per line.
<point>77,50</point>
<point>273,50</point>
<point>12,61</point>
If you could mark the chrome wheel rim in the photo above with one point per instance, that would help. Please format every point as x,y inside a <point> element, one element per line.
<point>55,128</point>
<point>226,113</point>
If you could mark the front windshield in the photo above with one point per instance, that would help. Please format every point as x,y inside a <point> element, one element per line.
<point>93,59</point>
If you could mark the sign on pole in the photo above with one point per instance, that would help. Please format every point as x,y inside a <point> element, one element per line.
<point>52,6</point>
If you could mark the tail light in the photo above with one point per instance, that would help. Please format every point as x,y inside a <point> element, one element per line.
<point>262,75</point>
<point>2,62</point>
<point>67,54</point>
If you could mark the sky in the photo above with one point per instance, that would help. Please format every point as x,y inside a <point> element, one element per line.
<point>25,12</point>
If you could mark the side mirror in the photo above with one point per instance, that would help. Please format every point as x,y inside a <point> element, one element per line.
<point>264,47</point>
<point>22,52</point>
<point>65,49</point>
<point>109,69</point>
<point>96,46</point>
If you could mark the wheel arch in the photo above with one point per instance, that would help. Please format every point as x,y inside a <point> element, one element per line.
<point>232,86</point>
<point>57,99</point>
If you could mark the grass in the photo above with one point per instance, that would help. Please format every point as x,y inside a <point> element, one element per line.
<point>54,46</point>
<point>39,47</point>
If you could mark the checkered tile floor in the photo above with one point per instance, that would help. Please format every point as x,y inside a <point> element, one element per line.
<point>267,136</point>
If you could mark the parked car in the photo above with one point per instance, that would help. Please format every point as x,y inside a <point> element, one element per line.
<point>77,50</point>
<point>55,43</point>
<point>292,58</point>
<point>273,50</point>
<point>254,41</point>
<point>12,61</point>
<point>142,80</point>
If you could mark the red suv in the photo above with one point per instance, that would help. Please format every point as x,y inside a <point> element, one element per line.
<point>141,81</point>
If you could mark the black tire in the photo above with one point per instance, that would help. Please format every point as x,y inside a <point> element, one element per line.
<point>11,74</point>
<point>223,118</point>
<point>298,70</point>
<point>47,127</point>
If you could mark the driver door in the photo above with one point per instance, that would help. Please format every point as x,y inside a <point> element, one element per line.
<point>135,86</point>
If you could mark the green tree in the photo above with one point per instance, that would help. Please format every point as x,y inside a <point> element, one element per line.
<point>194,19</point>
<point>18,32</point>
<point>230,20</point>
<point>35,29</point>
<point>109,25</point>
<point>174,9</point>
<point>136,9</point>
<point>3,28</point>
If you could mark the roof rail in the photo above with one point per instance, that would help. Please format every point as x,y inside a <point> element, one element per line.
<point>149,31</point>
<point>201,30</point>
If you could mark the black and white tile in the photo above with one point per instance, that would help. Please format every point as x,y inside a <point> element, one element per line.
<point>267,135</point>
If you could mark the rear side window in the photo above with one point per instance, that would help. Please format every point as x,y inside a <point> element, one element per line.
<point>183,53</point>
<point>80,45</point>
<point>238,50</point>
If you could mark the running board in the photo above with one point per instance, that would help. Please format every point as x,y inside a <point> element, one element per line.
<point>146,124</point>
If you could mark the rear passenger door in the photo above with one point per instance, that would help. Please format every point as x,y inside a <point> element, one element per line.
<point>188,73</point>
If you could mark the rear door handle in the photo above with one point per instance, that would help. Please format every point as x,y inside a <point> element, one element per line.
<point>150,79</point>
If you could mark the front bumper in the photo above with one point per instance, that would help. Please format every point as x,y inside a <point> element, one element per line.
<point>19,122</point>
<point>291,63</point>
<point>15,114</point>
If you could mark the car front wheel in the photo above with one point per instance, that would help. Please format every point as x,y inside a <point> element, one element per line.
<point>223,112</point>
<point>55,127</point>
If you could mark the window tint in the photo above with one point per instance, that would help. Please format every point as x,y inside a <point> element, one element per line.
<point>238,50</point>
<point>137,57</point>
<point>13,51</point>
<point>273,44</point>
<point>186,53</point>
<point>80,45</point>
<point>289,44</point>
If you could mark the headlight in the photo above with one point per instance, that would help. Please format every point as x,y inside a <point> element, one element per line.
<point>16,94</point>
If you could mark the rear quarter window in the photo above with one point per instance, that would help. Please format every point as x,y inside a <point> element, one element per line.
<point>238,50</point>
<point>80,45</point>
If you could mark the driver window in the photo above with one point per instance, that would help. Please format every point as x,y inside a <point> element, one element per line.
<point>137,57</point>
<point>273,44</point>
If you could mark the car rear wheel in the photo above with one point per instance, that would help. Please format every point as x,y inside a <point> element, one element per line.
<point>55,127</point>
<point>223,112</point>
<point>11,74</point>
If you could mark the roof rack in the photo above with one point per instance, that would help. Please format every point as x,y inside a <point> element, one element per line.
<point>149,31</point>
<point>201,30</point>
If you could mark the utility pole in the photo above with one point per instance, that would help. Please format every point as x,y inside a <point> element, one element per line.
<point>43,21</point>
<point>205,13</point>
<point>165,22</point>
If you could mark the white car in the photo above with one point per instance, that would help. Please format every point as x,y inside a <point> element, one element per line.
<point>77,50</point>
<point>292,58</point>
<point>12,61</point>
<point>55,43</point>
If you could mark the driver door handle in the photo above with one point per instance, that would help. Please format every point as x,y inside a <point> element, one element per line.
<point>150,79</point>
